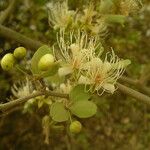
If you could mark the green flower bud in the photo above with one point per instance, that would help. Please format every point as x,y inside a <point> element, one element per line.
<point>7,62</point>
<point>46,62</point>
<point>20,52</point>
<point>75,127</point>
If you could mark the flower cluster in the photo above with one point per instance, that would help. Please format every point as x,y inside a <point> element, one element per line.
<point>80,47</point>
<point>82,59</point>
<point>81,51</point>
<point>22,88</point>
<point>60,17</point>
<point>102,75</point>
<point>76,51</point>
<point>92,19</point>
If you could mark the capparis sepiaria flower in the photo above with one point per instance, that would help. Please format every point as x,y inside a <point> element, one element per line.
<point>77,51</point>
<point>102,75</point>
<point>88,14</point>
<point>59,15</point>
<point>22,88</point>
<point>91,21</point>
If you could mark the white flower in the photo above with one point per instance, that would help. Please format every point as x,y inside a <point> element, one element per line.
<point>59,14</point>
<point>89,14</point>
<point>91,21</point>
<point>102,75</point>
<point>77,51</point>
<point>22,88</point>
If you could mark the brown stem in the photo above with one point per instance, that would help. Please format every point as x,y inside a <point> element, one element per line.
<point>8,105</point>
<point>134,94</point>
<point>11,34</point>
<point>124,89</point>
<point>136,83</point>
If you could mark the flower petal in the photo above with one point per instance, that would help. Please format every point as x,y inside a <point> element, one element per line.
<point>121,64</point>
<point>64,71</point>
<point>106,66</point>
<point>83,80</point>
<point>109,87</point>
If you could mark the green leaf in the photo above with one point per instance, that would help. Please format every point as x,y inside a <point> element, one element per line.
<point>84,109</point>
<point>78,93</point>
<point>58,112</point>
<point>56,79</point>
<point>35,59</point>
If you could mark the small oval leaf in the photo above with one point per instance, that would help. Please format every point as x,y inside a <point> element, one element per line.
<point>78,93</point>
<point>58,112</point>
<point>84,109</point>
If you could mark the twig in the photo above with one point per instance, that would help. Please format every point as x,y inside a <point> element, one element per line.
<point>134,94</point>
<point>17,37</point>
<point>128,80</point>
<point>136,83</point>
<point>124,89</point>
<point>4,15</point>
<point>8,105</point>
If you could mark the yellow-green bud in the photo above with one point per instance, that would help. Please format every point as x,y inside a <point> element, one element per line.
<point>7,62</point>
<point>20,52</point>
<point>75,127</point>
<point>46,62</point>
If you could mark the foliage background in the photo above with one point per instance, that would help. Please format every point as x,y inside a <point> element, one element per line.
<point>121,122</point>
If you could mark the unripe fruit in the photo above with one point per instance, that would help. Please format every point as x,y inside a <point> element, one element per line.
<point>20,52</point>
<point>75,127</point>
<point>7,62</point>
<point>46,62</point>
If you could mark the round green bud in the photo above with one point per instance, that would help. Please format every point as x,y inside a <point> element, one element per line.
<point>20,52</point>
<point>46,62</point>
<point>7,62</point>
<point>75,127</point>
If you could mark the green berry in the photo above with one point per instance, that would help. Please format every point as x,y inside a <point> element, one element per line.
<point>7,62</point>
<point>20,52</point>
<point>75,127</point>
<point>46,62</point>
